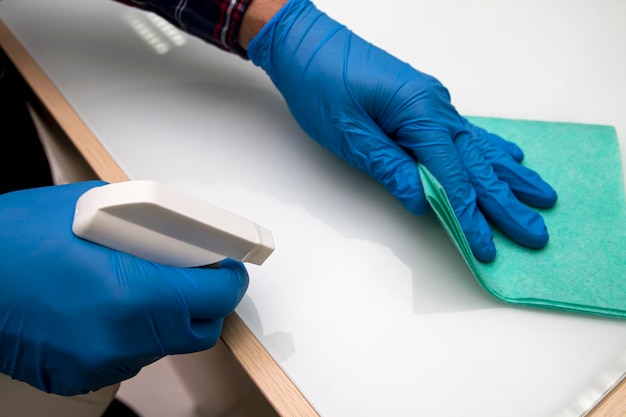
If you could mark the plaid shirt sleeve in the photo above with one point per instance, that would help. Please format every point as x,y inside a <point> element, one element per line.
<point>215,21</point>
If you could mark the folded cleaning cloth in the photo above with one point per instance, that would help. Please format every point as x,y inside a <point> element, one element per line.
<point>583,267</point>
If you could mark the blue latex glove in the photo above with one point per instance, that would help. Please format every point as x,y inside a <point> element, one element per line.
<point>381,115</point>
<point>76,316</point>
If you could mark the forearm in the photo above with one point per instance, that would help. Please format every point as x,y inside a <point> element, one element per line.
<point>217,22</point>
<point>258,13</point>
<point>227,24</point>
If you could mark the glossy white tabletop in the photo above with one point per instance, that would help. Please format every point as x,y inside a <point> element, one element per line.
<point>370,310</point>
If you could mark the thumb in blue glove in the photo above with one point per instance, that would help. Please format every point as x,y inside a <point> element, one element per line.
<point>381,115</point>
<point>76,316</point>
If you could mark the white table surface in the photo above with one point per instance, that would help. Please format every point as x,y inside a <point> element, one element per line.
<point>368,309</point>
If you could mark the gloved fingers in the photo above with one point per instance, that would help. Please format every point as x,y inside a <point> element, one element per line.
<point>197,335</point>
<point>206,332</point>
<point>372,151</point>
<point>436,151</point>
<point>497,201</point>
<point>525,183</point>
<point>209,293</point>
<point>105,378</point>
<point>510,148</point>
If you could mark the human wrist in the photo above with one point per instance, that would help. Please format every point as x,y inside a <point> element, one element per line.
<point>258,13</point>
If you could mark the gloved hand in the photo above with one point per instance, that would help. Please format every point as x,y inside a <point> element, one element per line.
<point>76,316</point>
<point>381,115</point>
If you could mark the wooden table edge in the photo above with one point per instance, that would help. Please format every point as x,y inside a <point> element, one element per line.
<point>269,377</point>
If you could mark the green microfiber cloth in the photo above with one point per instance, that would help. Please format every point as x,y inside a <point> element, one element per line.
<point>583,267</point>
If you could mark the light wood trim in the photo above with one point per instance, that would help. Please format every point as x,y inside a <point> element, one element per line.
<point>279,390</point>
<point>245,347</point>
<point>613,404</point>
